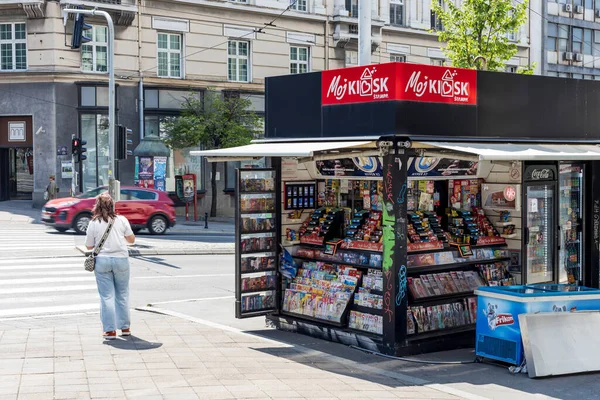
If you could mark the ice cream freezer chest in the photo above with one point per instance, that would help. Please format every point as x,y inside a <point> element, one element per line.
<point>498,334</point>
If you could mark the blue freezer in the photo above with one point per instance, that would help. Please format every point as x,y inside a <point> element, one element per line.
<point>498,334</point>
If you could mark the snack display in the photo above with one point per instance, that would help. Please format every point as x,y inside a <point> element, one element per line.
<point>322,225</point>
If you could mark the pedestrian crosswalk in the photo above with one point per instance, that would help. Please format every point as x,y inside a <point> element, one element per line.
<point>45,286</point>
<point>35,240</point>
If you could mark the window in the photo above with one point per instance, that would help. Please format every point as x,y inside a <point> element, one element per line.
<point>397,12</point>
<point>94,54</point>
<point>169,55</point>
<point>230,167</point>
<point>588,77</point>
<point>299,5</point>
<point>512,36</point>
<point>577,40</point>
<point>238,60</point>
<point>589,4</point>
<point>587,41</point>
<point>437,62</point>
<point>577,76</point>
<point>94,130</point>
<point>351,58</point>
<point>352,8</point>
<point>299,60</point>
<point>13,47</point>
<point>436,23</point>
<point>397,58</point>
<point>557,38</point>
<point>94,96</point>
<point>512,69</point>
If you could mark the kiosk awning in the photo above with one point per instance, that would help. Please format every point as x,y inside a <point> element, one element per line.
<point>280,149</point>
<point>515,152</point>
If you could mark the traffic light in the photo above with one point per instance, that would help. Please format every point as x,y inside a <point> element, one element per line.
<point>75,146</point>
<point>123,142</point>
<point>80,29</point>
<point>82,150</point>
<point>78,150</point>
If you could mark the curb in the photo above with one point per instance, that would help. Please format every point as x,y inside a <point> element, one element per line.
<point>169,252</point>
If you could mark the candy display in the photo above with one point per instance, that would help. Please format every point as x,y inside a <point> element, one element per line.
<point>323,225</point>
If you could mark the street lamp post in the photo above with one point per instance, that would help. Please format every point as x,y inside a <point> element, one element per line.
<point>112,183</point>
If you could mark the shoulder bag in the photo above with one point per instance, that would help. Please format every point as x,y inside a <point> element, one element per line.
<point>90,261</point>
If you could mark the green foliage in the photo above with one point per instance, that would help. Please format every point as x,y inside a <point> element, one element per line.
<point>215,122</point>
<point>479,28</point>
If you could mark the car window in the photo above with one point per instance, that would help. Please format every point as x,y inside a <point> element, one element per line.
<point>142,195</point>
<point>137,194</point>
<point>92,193</point>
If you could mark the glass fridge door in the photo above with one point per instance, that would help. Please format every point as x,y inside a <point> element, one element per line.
<point>540,234</point>
<point>570,203</point>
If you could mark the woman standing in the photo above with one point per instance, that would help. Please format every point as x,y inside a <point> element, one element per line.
<point>112,265</point>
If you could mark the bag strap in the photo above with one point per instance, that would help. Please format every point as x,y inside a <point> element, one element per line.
<point>104,237</point>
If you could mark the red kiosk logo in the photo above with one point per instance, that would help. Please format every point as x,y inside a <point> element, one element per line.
<point>431,87</point>
<point>366,86</point>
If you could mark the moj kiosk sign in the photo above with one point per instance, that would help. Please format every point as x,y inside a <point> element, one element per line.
<point>399,81</point>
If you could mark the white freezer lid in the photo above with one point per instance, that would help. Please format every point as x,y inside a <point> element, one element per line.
<point>518,151</point>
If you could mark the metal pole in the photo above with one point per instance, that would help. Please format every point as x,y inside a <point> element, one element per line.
<point>111,90</point>
<point>364,32</point>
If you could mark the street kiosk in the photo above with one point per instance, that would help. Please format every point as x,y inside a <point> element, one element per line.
<point>395,190</point>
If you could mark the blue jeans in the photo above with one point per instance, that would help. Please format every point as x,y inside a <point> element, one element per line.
<point>112,277</point>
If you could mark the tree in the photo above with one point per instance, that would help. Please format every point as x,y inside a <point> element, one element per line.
<point>476,32</point>
<point>215,122</point>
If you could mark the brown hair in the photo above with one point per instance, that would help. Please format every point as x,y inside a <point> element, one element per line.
<point>104,208</point>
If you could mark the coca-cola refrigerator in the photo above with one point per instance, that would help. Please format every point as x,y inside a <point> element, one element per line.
<point>540,234</point>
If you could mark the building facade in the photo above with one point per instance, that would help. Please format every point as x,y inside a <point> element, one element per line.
<point>165,52</point>
<point>567,42</point>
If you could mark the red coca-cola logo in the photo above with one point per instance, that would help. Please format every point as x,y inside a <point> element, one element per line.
<point>504,319</point>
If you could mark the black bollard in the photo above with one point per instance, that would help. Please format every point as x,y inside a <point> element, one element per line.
<point>205,220</point>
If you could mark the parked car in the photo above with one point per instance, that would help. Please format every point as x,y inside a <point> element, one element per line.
<point>144,208</point>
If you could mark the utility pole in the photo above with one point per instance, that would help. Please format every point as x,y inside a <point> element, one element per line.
<point>112,183</point>
<point>364,32</point>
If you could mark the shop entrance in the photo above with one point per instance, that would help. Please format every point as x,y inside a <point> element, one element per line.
<point>16,176</point>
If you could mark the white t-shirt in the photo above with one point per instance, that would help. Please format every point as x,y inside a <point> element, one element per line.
<point>115,245</point>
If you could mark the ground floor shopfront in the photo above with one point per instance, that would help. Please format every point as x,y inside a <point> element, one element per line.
<point>52,113</point>
<point>378,240</point>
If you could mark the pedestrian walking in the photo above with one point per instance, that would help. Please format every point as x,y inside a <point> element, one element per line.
<point>51,189</point>
<point>112,265</point>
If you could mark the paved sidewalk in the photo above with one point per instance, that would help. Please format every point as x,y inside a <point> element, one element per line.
<point>19,211</point>
<point>173,358</point>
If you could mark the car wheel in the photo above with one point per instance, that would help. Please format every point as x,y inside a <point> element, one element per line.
<point>158,225</point>
<point>81,223</point>
<point>62,230</point>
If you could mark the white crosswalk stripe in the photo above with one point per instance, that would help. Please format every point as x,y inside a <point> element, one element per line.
<point>45,286</point>
<point>35,241</point>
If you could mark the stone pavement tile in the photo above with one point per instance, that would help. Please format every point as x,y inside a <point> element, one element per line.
<point>121,367</point>
<point>133,373</point>
<point>378,394</point>
<point>280,394</point>
<point>256,375</point>
<point>170,380</point>
<point>32,388</point>
<point>201,380</point>
<point>107,394</point>
<point>143,394</point>
<point>9,390</point>
<point>161,365</point>
<point>71,395</point>
<point>170,373</point>
<point>102,374</point>
<point>71,388</point>
<point>216,396</point>
<point>36,396</point>
<point>138,383</point>
<point>37,380</point>
<point>177,390</point>
<point>69,366</point>
<point>227,382</point>
<point>315,394</point>
<point>212,389</point>
<point>8,367</point>
<point>270,384</point>
<point>104,381</point>
<point>254,394</point>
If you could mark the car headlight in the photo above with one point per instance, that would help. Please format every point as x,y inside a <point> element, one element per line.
<point>70,203</point>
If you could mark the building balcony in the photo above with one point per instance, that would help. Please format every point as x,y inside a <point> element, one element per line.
<point>123,12</point>
<point>31,8</point>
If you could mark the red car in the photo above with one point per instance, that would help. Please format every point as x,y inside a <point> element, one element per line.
<point>144,208</point>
